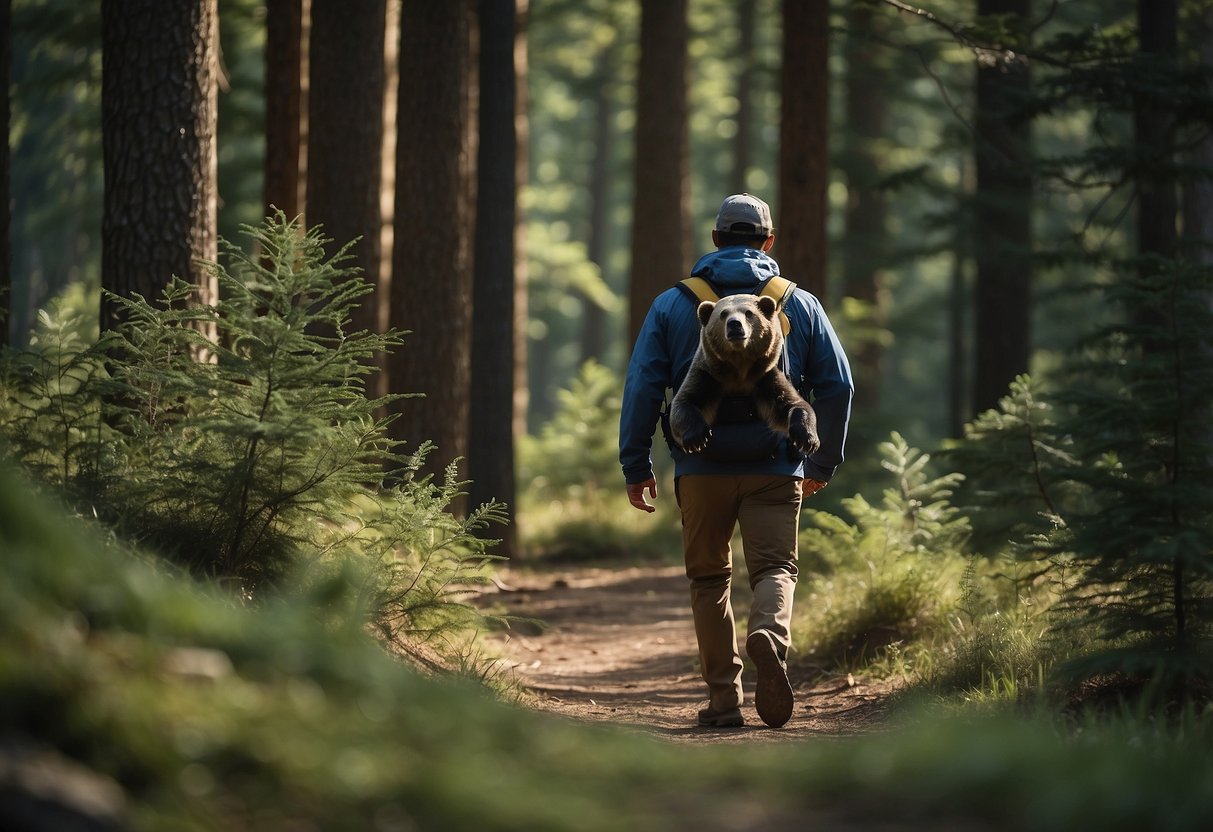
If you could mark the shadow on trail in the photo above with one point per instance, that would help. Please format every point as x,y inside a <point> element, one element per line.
<point>618,646</point>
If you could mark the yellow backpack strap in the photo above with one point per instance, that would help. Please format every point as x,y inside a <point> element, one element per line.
<point>700,288</point>
<point>780,288</point>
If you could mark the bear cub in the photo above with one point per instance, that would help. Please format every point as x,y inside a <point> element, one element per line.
<point>740,341</point>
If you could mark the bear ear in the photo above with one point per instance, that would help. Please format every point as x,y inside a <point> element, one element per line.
<point>705,312</point>
<point>767,305</point>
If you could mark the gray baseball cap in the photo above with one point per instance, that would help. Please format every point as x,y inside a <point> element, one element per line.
<point>744,214</point>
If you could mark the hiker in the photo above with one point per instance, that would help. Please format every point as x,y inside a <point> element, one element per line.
<point>747,474</point>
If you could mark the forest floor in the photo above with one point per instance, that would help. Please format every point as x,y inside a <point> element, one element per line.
<point>618,645</point>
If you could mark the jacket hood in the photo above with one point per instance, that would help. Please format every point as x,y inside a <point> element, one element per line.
<point>735,267</point>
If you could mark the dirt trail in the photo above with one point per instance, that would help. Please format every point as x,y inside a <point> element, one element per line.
<point>618,645</point>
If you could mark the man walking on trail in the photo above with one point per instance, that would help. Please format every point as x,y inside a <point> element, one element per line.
<point>747,475</point>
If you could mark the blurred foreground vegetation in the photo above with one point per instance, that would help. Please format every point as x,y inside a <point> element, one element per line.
<point>135,699</point>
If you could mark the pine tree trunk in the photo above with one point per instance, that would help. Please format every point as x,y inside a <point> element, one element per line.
<point>958,303</point>
<point>494,336</point>
<point>804,164</point>
<point>594,318</point>
<point>431,293</point>
<point>6,251</point>
<point>1153,123</point>
<point>345,138</point>
<point>1198,190</point>
<point>1002,216</point>
<point>742,150</point>
<point>283,94</point>
<point>158,108</point>
<point>660,255</point>
<point>863,246</point>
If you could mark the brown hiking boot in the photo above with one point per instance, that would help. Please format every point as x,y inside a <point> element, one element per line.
<point>732,718</point>
<point>773,694</point>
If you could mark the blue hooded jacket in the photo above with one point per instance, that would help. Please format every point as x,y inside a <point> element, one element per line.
<point>815,364</point>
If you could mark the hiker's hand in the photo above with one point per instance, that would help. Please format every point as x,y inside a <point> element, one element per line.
<point>811,487</point>
<point>636,494</point>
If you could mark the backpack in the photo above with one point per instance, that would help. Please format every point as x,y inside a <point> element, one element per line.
<point>779,288</point>
<point>738,411</point>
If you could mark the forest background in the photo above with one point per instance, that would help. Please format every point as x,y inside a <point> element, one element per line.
<point>1004,207</point>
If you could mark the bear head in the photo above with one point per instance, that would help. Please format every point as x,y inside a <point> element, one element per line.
<point>742,328</point>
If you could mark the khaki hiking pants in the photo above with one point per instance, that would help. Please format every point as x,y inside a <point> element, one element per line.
<point>767,508</point>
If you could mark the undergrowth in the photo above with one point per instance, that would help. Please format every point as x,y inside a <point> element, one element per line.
<point>171,706</point>
<point>881,587</point>
<point>575,504</point>
<point>252,458</point>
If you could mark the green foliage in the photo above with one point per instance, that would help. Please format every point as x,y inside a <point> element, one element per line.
<point>1141,395</point>
<point>995,649</point>
<point>241,455</point>
<point>575,502</point>
<point>1104,490</point>
<point>1018,465</point>
<point>886,577</point>
<point>424,596</point>
<point>578,449</point>
<point>236,439</point>
<point>184,711</point>
<point>49,409</point>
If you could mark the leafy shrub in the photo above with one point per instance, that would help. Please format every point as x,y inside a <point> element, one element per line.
<point>1018,464</point>
<point>575,502</point>
<point>262,459</point>
<point>889,575</point>
<point>1139,395</point>
<point>50,409</point>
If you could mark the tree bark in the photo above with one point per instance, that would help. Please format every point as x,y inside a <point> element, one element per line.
<point>158,108</point>
<point>742,153</point>
<point>283,96</point>
<point>804,164</point>
<point>863,246</point>
<point>1153,126</point>
<point>6,251</point>
<point>495,338</point>
<point>594,318</point>
<point>660,254</point>
<point>431,293</point>
<point>345,138</point>
<point>1002,211</point>
<point>1197,199</point>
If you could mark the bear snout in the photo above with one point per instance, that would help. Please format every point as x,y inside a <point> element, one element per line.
<point>735,330</point>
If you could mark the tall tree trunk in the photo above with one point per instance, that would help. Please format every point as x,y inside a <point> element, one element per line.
<point>431,294</point>
<point>958,304</point>
<point>742,153</point>
<point>283,95</point>
<point>660,254</point>
<point>864,249</point>
<point>1002,246</point>
<point>1153,126</point>
<point>494,336</point>
<point>6,251</point>
<point>804,164</point>
<point>594,317</point>
<point>1198,190</point>
<point>158,108</point>
<point>345,139</point>
<point>522,133</point>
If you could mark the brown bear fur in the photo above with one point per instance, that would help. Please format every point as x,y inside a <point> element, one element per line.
<point>740,341</point>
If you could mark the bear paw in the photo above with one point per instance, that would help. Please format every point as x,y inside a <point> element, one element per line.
<point>696,439</point>
<point>802,433</point>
